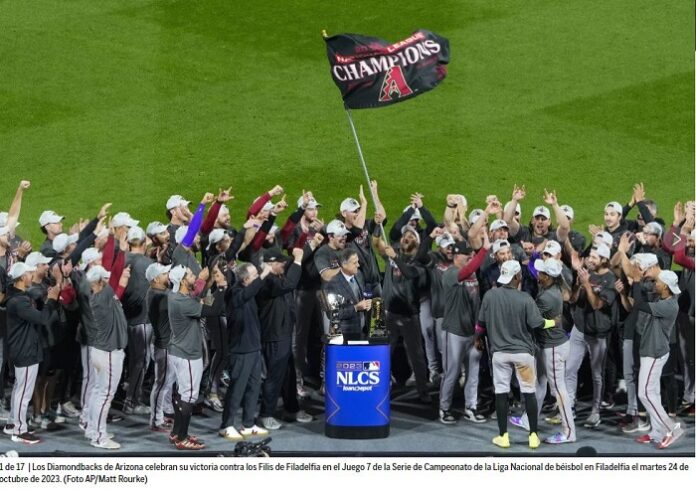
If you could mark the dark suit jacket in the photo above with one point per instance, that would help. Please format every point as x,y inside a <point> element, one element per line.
<point>349,318</point>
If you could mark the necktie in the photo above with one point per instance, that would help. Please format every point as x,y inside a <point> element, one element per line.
<point>356,289</point>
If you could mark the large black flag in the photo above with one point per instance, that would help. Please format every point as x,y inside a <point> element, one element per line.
<point>370,72</point>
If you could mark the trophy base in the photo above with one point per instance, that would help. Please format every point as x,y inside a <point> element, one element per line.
<point>338,432</point>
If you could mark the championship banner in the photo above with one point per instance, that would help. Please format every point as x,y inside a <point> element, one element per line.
<point>370,72</point>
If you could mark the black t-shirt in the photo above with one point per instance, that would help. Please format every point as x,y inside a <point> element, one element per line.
<point>598,323</point>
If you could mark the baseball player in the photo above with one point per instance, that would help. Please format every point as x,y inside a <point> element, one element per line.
<point>461,302</point>
<point>106,351</point>
<point>24,345</point>
<point>139,328</point>
<point>552,352</point>
<point>185,352</point>
<point>506,316</point>
<point>156,301</point>
<point>595,315</point>
<point>654,351</point>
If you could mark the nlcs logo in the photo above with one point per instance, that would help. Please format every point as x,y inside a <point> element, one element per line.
<point>360,373</point>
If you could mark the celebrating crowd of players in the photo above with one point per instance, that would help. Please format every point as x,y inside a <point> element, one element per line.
<point>225,316</point>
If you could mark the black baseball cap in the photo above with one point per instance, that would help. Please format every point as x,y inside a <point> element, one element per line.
<point>274,254</point>
<point>461,248</point>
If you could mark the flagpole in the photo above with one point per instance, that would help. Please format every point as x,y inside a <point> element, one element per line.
<point>364,166</point>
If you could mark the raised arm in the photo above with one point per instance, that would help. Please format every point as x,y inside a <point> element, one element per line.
<point>16,206</point>
<point>562,221</point>
<point>518,194</point>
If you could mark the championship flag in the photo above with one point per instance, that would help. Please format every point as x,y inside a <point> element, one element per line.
<point>370,72</point>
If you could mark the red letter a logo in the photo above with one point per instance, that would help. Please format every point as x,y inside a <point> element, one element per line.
<point>394,83</point>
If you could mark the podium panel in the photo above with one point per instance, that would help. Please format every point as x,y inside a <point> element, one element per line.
<point>357,388</point>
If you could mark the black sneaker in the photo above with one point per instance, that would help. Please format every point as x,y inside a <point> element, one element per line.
<point>474,416</point>
<point>113,417</point>
<point>9,428</point>
<point>447,418</point>
<point>26,438</point>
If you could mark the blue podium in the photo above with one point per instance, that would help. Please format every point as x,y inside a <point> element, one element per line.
<point>357,384</point>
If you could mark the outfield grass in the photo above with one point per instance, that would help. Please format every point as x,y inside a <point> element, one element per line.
<point>132,101</point>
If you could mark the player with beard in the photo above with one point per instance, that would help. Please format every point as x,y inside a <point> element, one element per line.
<point>436,262</point>
<point>680,242</point>
<point>647,210</point>
<point>217,218</point>
<point>654,352</point>
<point>185,352</point>
<point>402,278</point>
<point>540,226</point>
<point>159,242</point>
<point>411,216</point>
<point>156,301</point>
<point>507,317</point>
<point>139,327</point>
<point>650,242</point>
<point>499,230</point>
<point>595,315</point>
<point>361,230</point>
<point>552,351</point>
<point>178,214</point>
<point>461,302</point>
<point>501,253</point>
<point>23,338</point>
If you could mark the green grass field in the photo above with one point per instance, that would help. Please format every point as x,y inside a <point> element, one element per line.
<point>132,101</point>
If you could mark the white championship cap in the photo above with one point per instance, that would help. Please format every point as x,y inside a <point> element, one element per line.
<point>498,224</point>
<point>644,260</point>
<point>606,238</point>
<point>498,245</point>
<point>215,236</point>
<point>552,247</point>
<point>653,228</point>
<point>568,211</point>
<point>444,240</point>
<point>155,269</point>
<point>175,201</point>
<point>671,280</point>
<point>97,273</point>
<point>508,270</point>
<point>350,204</point>
<point>155,228</point>
<point>176,275</point>
<point>36,258</point>
<point>136,234</point>
<point>550,267</point>
<point>614,206</point>
<point>336,227</point>
<point>49,217</point>
<point>18,269</point>
<point>602,250</point>
<point>89,255</point>
<point>123,219</point>
<point>311,204</point>
<point>63,241</point>
<point>542,211</point>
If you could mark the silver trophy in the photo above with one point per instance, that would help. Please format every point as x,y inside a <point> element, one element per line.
<point>332,304</point>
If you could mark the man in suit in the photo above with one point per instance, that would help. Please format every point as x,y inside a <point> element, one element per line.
<point>350,284</point>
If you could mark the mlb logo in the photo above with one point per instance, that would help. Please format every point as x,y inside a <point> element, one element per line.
<point>371,366</point>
